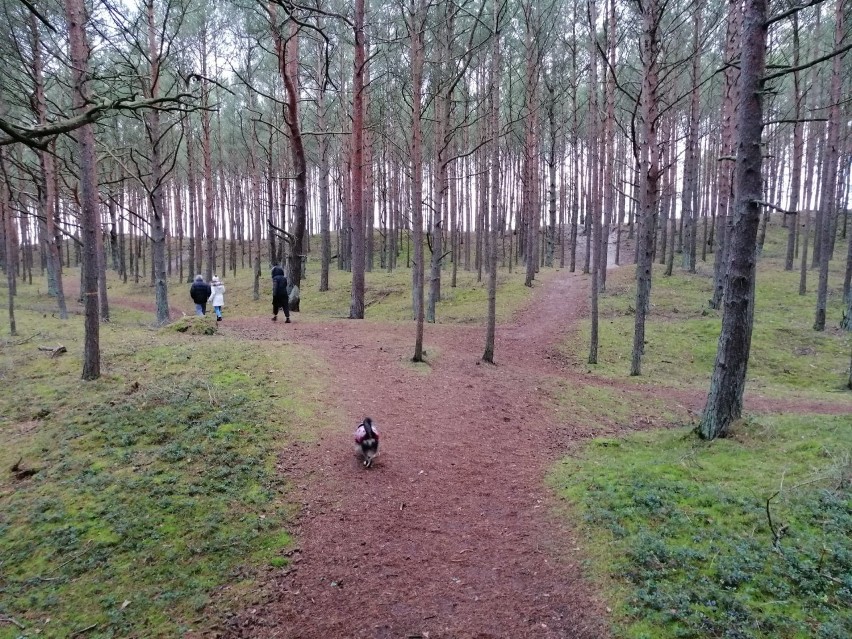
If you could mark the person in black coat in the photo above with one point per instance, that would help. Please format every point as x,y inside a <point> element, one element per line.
<point>280,299</point>
<point>200,292</point>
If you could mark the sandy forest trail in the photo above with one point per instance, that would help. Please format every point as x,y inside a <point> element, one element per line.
<point>452,533</point>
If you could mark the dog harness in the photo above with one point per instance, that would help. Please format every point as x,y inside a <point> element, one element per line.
<point>361,433</point>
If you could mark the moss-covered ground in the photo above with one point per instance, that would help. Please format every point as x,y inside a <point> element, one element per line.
<point>682,332</point>
<point>677,529</point>
<point>155,484</point>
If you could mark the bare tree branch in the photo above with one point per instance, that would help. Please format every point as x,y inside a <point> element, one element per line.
<point>39,136</point>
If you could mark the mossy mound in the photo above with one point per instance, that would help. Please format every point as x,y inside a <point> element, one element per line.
<point>195,325</point>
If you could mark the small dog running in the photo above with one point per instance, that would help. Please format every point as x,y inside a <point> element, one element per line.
<point>367,441</point>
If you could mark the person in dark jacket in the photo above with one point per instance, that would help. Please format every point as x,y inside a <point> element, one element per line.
<point>279,294</point>
<point>200,292</point>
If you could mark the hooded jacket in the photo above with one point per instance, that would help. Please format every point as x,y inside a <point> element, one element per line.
<point>279,282</point>
<point>217,297</point>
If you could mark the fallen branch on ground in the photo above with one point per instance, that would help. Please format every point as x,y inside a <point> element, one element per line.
<point>12,621</point>
<point>54,350</point>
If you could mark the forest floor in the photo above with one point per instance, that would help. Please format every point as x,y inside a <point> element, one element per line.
<point>453,532</point>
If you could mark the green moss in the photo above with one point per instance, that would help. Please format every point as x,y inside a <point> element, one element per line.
<point>156,483</point>
<point>193,325</point>
<point>682,332</point>
<point>388,297</point>
<point>676,529</point>
<point>598,409</point>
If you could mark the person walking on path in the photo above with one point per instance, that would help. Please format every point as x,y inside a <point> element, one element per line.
<point>217,297</point>
<point>200,292</point>
<point>279,294</point>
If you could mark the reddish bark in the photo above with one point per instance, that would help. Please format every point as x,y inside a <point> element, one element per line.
<point>356,305</point>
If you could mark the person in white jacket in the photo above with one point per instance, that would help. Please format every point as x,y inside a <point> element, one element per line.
<point>217,297</point>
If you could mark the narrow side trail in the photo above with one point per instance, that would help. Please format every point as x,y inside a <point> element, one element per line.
<point>451,534</point>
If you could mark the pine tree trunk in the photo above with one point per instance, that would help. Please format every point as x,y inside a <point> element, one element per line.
<point>550,229</point>
<point>828,181</point>
<point>724,402</point>
<point>356,305</point>
<point>325,232</point>
<point>846,322</point>
<point>531,211</point>
<point>731,98</point>
<point>494,115</point>
<point>442,105</point>
<point>798,153</point>
<point>209,198</point>
<point>194,267</point>
<point>47,192</point>
<point>75,14</point>
<point>689,214</point>
<point>10,262</point>
<point>416,25</point>
<point>649,178</point>
<point>607,184</point>
<point>594,179</point>
<point>155,189</point>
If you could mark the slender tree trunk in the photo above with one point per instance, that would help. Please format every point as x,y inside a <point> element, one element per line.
<point>442,105</point>
<point>649,48</point>
<point>356,306</point>
<point>724,402</point>
<point>416,20</point>
<point>550,230</point>
<point>103,298</point>
<point>325,232</point>
<point>689,212</point>
<point>10,261</point>
<point>731,97</point>
<point>194,266</point>
<point>531,211</point>
<point>75,15</point>
<point>830,165</point>
<point>607,183</point>
<point>491,324</point>
<point>594,179</point>
<point>209,197</point>
<point>155,188</point>
<point>575,145</point>
<point>798,153</point>
<point>47,189</point>
<point>846,322</point>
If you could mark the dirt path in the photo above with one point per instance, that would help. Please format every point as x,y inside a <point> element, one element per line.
<point>451,534</point>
